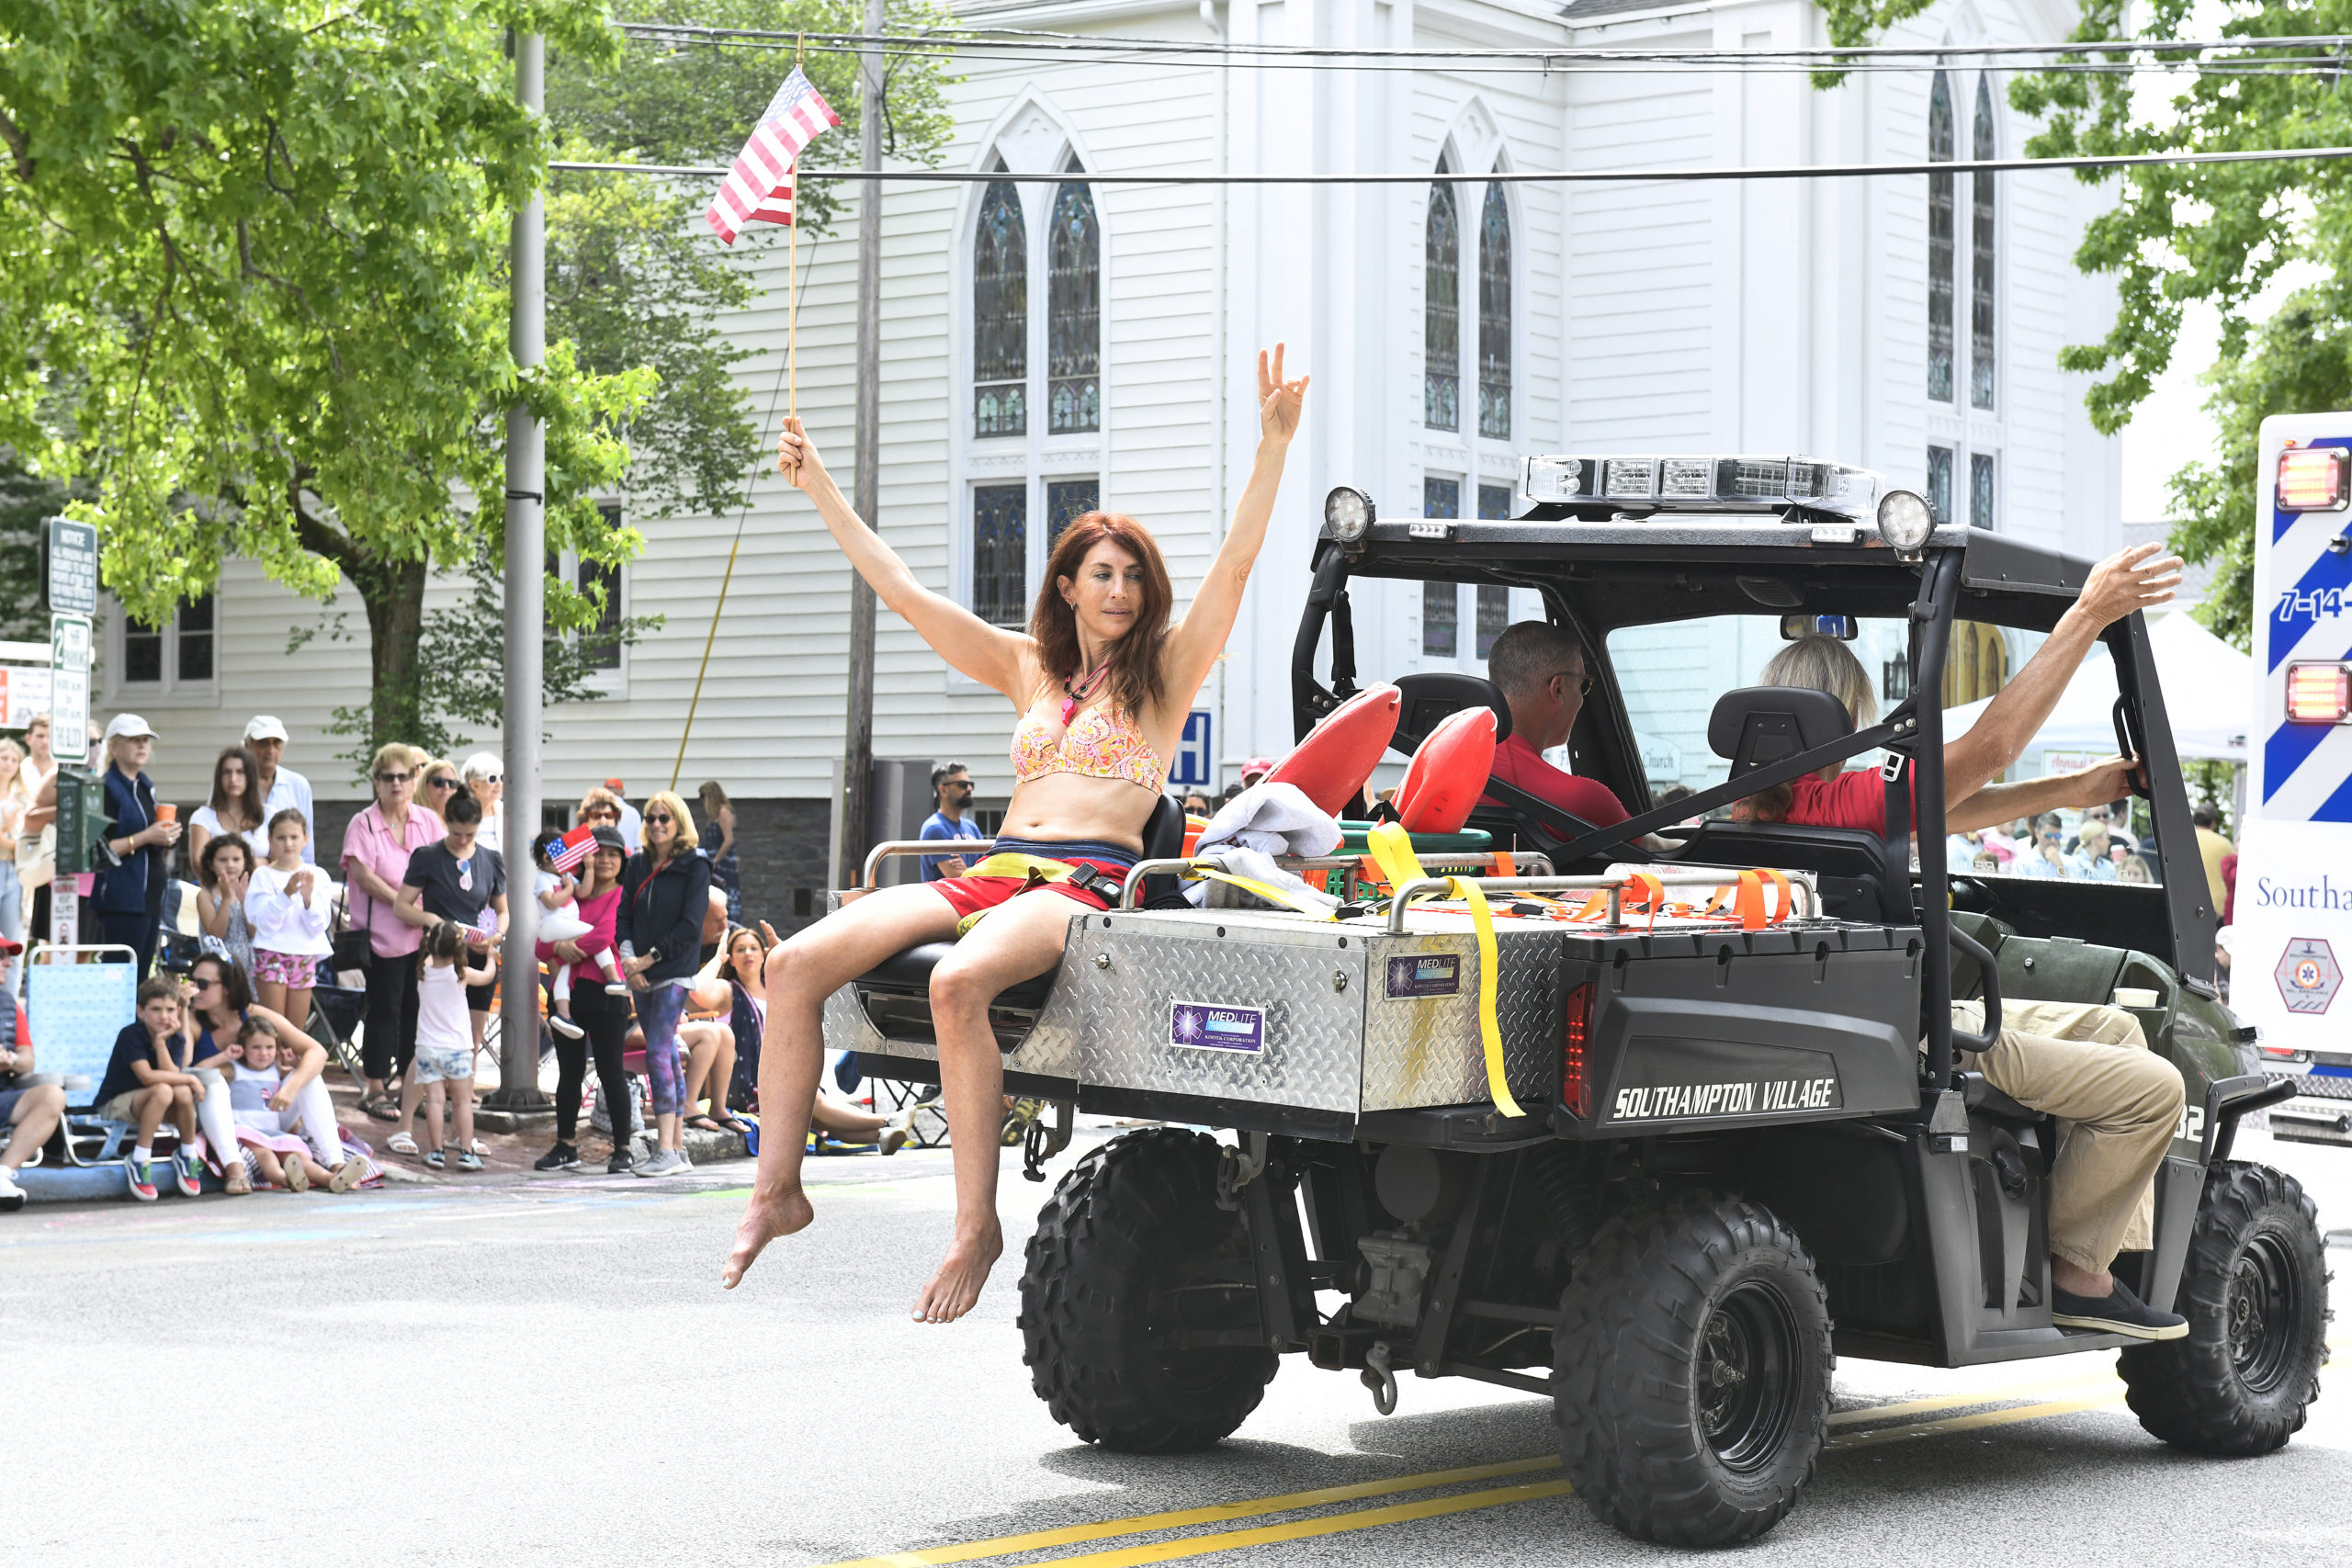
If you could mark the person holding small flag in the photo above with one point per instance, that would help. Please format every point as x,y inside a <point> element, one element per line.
<point>759,188</point>
<point>558,857</point>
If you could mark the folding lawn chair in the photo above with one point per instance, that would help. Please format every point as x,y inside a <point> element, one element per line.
<point>73,1010</point>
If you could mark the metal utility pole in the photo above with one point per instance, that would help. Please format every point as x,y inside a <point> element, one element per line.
<point>527,339</point>
<point>857,769</point>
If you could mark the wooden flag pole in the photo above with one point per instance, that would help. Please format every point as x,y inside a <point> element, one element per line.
<point>791,268</point>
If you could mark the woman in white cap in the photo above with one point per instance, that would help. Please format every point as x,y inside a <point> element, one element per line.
<point>484,775</point>
<point>282,788</point>
<point>129,897</point>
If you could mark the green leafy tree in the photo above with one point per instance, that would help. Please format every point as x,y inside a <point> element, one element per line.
<point>634,276</point>
<point>252,261</point>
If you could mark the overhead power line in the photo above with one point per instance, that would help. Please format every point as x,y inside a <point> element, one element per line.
<point>1829,57</point>
<point>1511,177</point>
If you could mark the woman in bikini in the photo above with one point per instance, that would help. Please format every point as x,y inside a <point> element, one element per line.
<point>1102,681</point>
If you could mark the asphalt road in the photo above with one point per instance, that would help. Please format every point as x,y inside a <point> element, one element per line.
<point>546,1373</point>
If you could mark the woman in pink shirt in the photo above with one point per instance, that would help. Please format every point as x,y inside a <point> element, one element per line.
<point>376,848</point>
<point>603,1016</point>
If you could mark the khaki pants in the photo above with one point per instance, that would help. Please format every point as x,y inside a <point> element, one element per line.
<point>2117,1104</point>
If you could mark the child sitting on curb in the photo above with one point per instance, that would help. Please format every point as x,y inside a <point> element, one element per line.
<point>147,1079</point>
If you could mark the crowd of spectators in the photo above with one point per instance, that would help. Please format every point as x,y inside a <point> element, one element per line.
<point>2100,846</point>
<point>218,1054</point>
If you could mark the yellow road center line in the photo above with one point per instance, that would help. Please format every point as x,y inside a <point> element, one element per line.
<point>1213,1514</point>
<point>2106,1378</point>
<point>1971,1422</point>
<point>1301,1530</point>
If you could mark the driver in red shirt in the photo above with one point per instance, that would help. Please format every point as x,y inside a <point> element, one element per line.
<point>1541,669</point>
<point>2086,1063</point>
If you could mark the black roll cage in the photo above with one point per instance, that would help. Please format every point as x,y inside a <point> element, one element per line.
<point>2023,584</point>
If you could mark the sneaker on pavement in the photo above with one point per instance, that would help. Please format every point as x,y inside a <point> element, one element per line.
<point>563,1156</point>
<point>2119,1312</point>
<point>621,1163</point>
<point>434,1160</point>
<point>12,1197</point>
<point>666,1162</point>
<point>468,1160</point>
<point>564,1026</point>
<point>141,1174</point>
<point>189,1171</point>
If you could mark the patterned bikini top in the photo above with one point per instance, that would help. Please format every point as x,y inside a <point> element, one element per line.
<point>1102,742</point>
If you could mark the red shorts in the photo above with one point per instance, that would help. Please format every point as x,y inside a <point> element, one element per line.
<point>971,894</point>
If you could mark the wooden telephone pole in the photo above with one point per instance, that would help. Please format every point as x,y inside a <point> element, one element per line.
<point>857,769</point>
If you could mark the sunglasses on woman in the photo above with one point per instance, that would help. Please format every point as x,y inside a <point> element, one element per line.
<point>440,784</point>
<point>658,817</point>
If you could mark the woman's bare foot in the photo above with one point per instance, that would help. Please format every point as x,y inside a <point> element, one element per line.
<point>765,1219</point>
<point>961,1274</point>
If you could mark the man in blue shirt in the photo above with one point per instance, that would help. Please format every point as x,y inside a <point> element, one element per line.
<point>950,784</point>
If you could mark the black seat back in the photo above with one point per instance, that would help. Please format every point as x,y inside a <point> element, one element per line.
<point>1426,699</point>
<point>1757,726</point>
<point>1163,838</point>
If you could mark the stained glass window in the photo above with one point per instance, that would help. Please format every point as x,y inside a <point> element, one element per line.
<point>1001,554</point>
<point>1980,490</point>
<point>1494,600</point>
<point>1074,313</point>
<point>1939,484</point>
<point>1001,315</point>
<point>1940,220</point>
<point>1494,316</point>
<point>1441,602</point>
<point>1980,287</point>
<point>1067,501</point>
<point>1441,311</point>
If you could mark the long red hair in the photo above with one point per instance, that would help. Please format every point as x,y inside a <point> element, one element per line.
<point>1134,678</point>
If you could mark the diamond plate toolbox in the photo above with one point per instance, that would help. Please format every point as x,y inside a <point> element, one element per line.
<point>1238,1005</point>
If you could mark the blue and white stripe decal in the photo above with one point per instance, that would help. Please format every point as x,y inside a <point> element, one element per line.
<point>2306,768</point>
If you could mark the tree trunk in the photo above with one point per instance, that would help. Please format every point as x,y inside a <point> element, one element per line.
<point>393,594</point>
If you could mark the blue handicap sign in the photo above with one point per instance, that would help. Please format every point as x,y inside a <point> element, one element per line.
<point>1195,758</point>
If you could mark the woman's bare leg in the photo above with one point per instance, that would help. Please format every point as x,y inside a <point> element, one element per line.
<point>1019,940</point>
<point>841,1121</point>
<point>798,976</point>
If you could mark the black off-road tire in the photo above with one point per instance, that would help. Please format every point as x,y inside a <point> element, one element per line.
<point>1691,1371</point>
<point>1133,1221</point>
<point>2255,1292</point>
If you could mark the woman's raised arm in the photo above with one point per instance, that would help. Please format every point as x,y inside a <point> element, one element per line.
<point>991,655</point>
<point>1193,644</point>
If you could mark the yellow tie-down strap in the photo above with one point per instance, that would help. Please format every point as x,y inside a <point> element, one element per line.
<point>1392,848</point>
<point>1035,869</point>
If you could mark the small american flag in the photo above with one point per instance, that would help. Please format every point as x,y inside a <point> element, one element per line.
<point>572,848</point>
<point>759,188</point>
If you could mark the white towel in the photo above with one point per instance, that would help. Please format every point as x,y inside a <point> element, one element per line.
<point>1274,819</point>
<point>1258,866</point>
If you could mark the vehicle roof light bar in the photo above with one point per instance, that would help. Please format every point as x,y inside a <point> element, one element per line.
<point>1702,482</point>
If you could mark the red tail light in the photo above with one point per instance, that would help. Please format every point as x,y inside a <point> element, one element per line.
<point>2310,478</point>
<point>1576,1034</point>
<point>2318,693</point>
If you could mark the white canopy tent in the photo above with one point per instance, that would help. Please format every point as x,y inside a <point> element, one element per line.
<point>2208,690</point>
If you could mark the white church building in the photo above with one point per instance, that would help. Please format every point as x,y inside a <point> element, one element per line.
<point>1051,347</point>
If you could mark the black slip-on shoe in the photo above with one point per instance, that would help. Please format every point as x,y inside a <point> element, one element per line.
<point>2119,1312</point>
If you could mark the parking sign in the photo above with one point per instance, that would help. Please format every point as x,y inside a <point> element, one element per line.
<point>1195,762</point>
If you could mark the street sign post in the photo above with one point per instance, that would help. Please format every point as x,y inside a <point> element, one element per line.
<point>69,718</point>
<point>1194,765</point>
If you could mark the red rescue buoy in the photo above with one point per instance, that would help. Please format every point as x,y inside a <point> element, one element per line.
<point>1330,766</point>
<point>1449,774</point>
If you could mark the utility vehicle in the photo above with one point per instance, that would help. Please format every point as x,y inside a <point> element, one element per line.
<point>1741,1146</point>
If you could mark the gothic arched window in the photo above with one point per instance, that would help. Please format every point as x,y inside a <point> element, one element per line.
<point>1941,220</point>
<point>1001,315</point>
<point>1980,285</point>
<point>1494,315</point>
<point>1441,310</point>
<point>1074,312</point>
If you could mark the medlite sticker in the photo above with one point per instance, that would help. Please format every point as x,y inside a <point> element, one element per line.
<point>1425,974</point>
<point>1213,1026</point>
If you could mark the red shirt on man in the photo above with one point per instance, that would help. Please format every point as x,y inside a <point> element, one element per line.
<point>1520,764</point>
